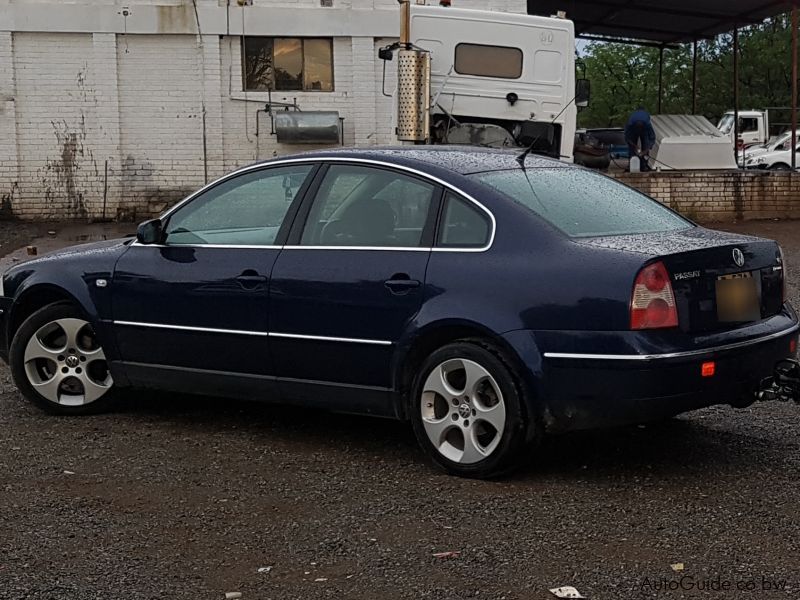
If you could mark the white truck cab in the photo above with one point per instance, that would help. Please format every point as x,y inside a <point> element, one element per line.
<point>753,127</point>
<point>495,79</point>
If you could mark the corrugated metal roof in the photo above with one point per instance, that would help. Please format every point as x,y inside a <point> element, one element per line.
<point>666,21</point>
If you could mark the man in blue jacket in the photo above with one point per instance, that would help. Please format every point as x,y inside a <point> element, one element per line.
<point>640,136</point>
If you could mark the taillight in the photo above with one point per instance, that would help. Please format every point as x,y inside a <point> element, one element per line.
<point>653,302</point>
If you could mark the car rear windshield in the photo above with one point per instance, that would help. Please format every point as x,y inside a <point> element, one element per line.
<point>583,204</point>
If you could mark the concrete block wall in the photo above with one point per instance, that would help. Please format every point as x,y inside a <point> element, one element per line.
<point>120,113</point>
<point>709,196</point>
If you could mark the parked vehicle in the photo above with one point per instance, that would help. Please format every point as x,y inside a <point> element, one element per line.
<point>753,126</point>
<point>760,149</point>
<point>485,301</point>
<point>776,157</point>
<point>612,138</point>
<point>591,152</point>
<point>486,78</point>
<point>756,127</point>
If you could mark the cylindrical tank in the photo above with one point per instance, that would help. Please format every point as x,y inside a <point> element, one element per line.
<point>413,95</point>
<point>307,127</point>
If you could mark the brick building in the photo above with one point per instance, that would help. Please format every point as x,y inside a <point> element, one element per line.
<point>134,104</point>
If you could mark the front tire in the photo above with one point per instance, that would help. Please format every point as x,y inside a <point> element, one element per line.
<point>468,411</point>
<point>58,364</point>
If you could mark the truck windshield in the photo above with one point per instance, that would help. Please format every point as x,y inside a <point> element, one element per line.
<point>583,204</point>
<point>725,124</point>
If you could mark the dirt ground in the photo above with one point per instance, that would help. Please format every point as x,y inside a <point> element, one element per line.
<point>189,498</point>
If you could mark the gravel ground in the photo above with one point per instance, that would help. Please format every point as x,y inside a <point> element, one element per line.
<point>185,498</point>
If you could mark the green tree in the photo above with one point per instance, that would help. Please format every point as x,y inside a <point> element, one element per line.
<point>625,77</point>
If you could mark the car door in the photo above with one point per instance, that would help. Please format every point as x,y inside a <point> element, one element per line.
<point>197,303</point>
<point>349,282</point>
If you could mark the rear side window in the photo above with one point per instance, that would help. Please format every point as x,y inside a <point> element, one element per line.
<point>583,204</point>
<point>488,61</point>
<point>463,225</point>
<point>366,206</point>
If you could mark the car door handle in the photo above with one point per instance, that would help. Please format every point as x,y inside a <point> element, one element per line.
<point>401,283</point>
<point>250,279</point>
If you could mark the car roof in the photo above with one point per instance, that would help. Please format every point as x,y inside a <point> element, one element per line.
<point>457,159</point>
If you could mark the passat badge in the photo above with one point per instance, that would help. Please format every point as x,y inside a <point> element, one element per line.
<point>738,257</point>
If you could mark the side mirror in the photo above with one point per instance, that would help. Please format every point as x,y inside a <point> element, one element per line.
<point>149,232</point>
<point>583,92</point>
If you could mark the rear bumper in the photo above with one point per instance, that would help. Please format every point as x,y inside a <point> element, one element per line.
<point>593,391</point>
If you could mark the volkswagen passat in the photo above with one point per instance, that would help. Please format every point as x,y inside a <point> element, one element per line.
<point>485,301</point>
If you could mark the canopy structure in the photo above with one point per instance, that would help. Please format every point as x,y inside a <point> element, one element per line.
<point>661,21</point>
<point>665,23</point>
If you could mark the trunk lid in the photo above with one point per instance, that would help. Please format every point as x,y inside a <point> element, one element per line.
<point>720,280</point>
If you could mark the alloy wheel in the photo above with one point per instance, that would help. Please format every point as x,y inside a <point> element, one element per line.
<point>65,363</point>
<point>463,412</point>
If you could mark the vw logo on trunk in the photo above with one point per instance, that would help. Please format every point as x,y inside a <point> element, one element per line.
<point>738,257</point>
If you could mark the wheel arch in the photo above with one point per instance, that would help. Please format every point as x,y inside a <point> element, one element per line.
<point>426,340</point>
<point>35,297</point>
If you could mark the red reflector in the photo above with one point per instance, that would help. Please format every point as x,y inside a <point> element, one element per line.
<point>792,346</point>
<point>708,368</point>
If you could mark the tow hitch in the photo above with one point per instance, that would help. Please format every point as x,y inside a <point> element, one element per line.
<point>784,385</point>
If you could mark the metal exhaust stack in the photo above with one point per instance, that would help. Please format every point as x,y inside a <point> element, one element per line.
<point>413,84</point>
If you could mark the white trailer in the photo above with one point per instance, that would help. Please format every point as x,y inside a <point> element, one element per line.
<point>486,78</point>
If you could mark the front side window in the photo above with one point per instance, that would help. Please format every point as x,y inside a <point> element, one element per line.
<point>583,204</point>
<point>463,225</point>
<point>748,125</point>
<point>287,64</point>
<point>245,210</point>
<point>365,206</point>
<point>488,61</point>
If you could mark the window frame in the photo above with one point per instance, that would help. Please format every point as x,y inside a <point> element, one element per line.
<point>428,231</point>
<point>243,51</point>
<point>283,230</point>
<point>521,60</point>
<point>440,221</point>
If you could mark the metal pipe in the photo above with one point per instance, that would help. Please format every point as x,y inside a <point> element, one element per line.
<point>694,77</point>
<point>736,90</point>
<point>660,77</point>
<point>794,84</point>
<point>405,22</point>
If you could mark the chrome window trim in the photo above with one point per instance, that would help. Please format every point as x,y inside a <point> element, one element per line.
<point>340,159</point>
<point>669,355</point>
<point>321,338</point>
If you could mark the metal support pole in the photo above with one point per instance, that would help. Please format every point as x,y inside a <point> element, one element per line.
<point>736,91</point>
<point>660,77</point>
<point>794,83</point>
<point>694,77</point>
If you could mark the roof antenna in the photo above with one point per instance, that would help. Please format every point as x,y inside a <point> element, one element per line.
<point>521,158</point>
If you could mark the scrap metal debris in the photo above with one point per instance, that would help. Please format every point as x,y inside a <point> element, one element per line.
<point>452,554</point>
<point>566,592</point>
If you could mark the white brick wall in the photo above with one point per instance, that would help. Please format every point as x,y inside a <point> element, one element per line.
<point>81,86</point>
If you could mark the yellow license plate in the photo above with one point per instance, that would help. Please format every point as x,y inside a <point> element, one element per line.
<point>737,298</point>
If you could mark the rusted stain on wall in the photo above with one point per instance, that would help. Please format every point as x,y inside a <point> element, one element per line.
<point>65,169</point>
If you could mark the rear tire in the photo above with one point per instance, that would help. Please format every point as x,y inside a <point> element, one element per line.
<point>468,411</point>
<point>58,364</point>
<point>780,167</point>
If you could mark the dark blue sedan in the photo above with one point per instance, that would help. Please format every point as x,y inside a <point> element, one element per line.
<point>487,299</point>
